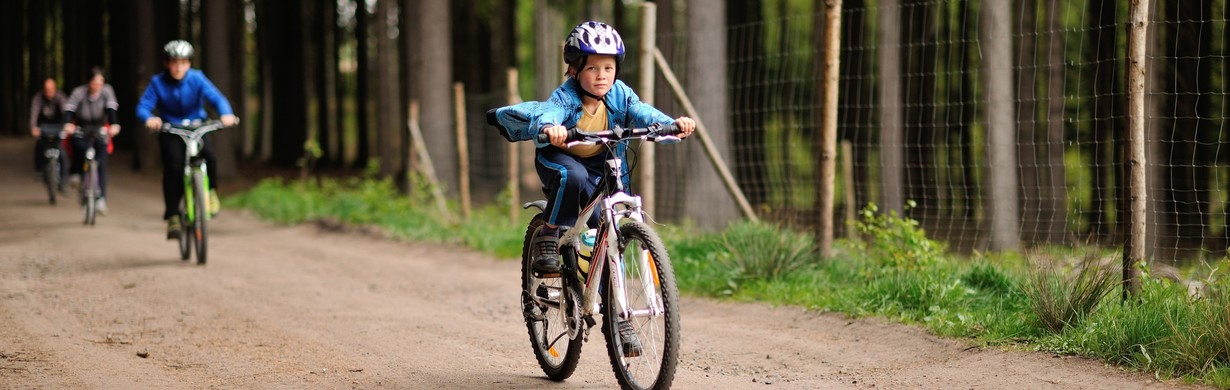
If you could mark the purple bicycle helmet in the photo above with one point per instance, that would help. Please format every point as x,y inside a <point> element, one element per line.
<point>593,38</point>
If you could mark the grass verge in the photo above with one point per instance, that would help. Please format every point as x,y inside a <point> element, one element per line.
<point>1068,305</point>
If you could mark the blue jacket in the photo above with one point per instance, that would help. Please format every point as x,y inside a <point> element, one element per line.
<point>181,100</point>
<point>523,122</point>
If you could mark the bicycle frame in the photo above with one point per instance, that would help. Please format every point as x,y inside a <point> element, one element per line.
<point>613,204</point>
<point>194,141</point>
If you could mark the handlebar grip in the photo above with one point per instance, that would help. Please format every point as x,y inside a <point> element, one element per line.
<point>573,135</point>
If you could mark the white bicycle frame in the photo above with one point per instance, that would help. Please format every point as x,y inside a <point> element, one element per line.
<point>614,208</point>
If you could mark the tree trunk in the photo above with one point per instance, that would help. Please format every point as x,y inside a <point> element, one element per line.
<point>858,97</point>
<point>748,93</point>
<point>12,86</point>
<point>289,90</point>
<point>1055,196</point>
<point>362,96</point>
<point>892,137</point>
<point>921,181</point>
<point>388,106</point>
<point>1026,121</point>
<point>433,66</point>
<point>1003,207</point>
<point>217,54</point>
<point>1189,37</point>
<point>1105,101</point>
<point>708,202</point>
<point>146,49</point>
<point>326,84</point>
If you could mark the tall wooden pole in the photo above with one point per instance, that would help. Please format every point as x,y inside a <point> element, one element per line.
<point>463,156</point>
<point>1134,248</point>
<point>514,157</point>
<point>828,127</point>
<point>645,165</point>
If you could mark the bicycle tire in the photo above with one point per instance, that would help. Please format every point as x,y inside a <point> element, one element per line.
<point>90,194</point>
<point>51,177</point>
<point>185,239</point>
<point>655,367</point>
<point>202,215</point>
<point>546,323</point>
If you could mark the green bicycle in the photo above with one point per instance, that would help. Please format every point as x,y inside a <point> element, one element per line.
<point>194,208</point>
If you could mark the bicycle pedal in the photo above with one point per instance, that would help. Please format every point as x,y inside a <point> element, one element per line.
<point>548,275</point>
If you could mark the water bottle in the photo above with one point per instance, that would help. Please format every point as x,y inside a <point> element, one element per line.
<point>585,252</point>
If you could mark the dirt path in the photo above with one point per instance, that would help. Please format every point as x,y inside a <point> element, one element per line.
<point>295,307</point>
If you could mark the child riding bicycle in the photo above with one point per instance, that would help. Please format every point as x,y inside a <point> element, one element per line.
<point>179,94</point>
<point>590,99</point>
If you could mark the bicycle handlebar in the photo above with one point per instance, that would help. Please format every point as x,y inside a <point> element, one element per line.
<point>194,127</point>
<point>664,133</point>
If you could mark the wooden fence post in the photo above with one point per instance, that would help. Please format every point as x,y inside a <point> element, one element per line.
<point>463,148</point>
<point>646,166</point>
<point>514,157</point>
<point>828,126</point>
<point>1134,248</point>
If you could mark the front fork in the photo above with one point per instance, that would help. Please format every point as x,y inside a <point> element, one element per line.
<point>190,191</point>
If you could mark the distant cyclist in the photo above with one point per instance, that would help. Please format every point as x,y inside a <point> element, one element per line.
<point>46,108</point>
<point>179,94</point>
<point>93,106</point>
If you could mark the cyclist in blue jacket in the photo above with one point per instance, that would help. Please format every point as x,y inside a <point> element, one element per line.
<point>179,94</point>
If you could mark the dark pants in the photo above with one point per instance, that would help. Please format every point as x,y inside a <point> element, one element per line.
<point>79,145</point>
<point>567,181</point>
<point>173,149</point>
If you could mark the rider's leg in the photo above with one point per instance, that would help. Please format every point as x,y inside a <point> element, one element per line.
<point>210,161</point>
<point>172,153</point>
<point>211,167</point>
<point>77,146</point>
<point>100,163</point>
<point>567,181</point>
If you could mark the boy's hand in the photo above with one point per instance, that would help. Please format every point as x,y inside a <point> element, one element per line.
<point>686,126</point>
<point>558,135</point>
<point>154,124</point>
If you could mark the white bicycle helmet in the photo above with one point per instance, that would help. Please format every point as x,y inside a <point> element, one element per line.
<point>178,49</point>
<point>593,38</point>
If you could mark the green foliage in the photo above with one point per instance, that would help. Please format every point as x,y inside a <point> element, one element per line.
<point>371,202</point>
<point>760,251</point>
<point>1059,302</point>
<point>897,243</point>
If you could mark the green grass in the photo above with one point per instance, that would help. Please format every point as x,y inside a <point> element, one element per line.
<point>1070,304</point>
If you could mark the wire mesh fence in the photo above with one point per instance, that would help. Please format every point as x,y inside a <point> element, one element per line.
<point>1068,123</point>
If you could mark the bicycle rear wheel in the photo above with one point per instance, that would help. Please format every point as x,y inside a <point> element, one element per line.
<point>542,301</point>
<point>89,193</point>
<point>185,236</point>
<point>200,196</point>
<point>651,298</point>
<point>51,177</point>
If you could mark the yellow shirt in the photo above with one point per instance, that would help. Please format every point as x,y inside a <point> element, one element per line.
<point>590,122</point>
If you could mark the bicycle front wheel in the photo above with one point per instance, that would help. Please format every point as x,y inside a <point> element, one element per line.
<point>199,196</point>
<point>89,191</point>
<point>51,177</point>
<point>185,239</point>
<point>644,354</point>
<point>542,303</point>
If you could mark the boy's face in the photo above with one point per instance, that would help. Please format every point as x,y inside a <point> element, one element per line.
<point>598,74</point>
<point>178,67</point>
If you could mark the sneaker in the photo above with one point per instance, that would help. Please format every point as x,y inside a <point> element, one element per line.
<point>546,251</point>
<point>173,228</point>
<point>101,206</point>
<point>215,205</point>
<point>74,180</point>
<point>628,341</point>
